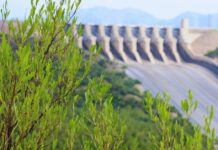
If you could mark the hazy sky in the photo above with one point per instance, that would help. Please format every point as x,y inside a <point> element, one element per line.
<point>158,8</point>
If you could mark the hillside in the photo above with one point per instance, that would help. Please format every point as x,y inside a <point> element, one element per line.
<point>101,15</point>
<point>128,100</point>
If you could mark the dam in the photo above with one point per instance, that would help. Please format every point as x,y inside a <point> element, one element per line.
<point>164,60</point>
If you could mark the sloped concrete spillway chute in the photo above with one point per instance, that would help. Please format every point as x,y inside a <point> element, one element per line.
<point>157,45</point>
<point>117,43</point>
<point>170,43</point>
<point>162,59</point>
<point>105,41</point>
<point>130,43</point>
<point>143,45</point>
<point>176,80</point>
<point>88,38</point>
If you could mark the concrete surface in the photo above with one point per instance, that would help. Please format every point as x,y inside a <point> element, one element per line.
<point>176,80</point>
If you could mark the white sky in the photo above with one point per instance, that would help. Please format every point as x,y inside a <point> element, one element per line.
<point>159,8</point>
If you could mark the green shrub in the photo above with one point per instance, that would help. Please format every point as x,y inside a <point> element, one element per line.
<point>213,54</point>
<point>172,134</point>
<point>40,77</point>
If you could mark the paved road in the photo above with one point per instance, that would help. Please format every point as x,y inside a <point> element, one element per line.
<point>177,79</point>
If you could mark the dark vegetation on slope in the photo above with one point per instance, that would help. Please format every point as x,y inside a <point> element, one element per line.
<point>213,53</point>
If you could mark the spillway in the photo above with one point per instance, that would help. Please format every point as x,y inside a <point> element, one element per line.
<point>162,59</point>
<point>176,80</point>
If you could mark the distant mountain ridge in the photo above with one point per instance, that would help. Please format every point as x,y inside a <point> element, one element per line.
<point>108,16</point>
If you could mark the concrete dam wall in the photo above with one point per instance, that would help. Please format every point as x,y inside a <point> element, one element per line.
<point>137,44</point>
<point>153,45</point>
<point>163,60</point>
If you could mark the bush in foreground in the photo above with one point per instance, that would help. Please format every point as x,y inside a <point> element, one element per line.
<point>39,76</point>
